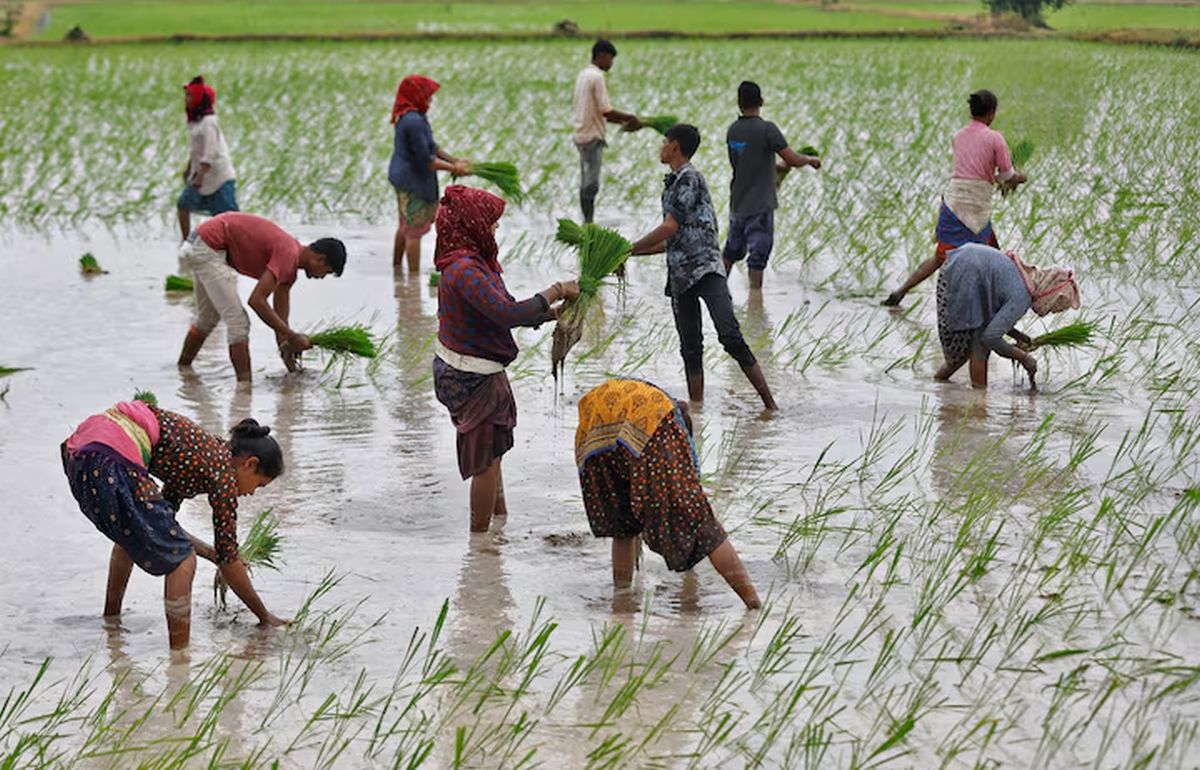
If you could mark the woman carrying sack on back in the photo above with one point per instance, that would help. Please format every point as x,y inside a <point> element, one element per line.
<point>476,315</point>
<point>981,294</point>
<point>110,460</point>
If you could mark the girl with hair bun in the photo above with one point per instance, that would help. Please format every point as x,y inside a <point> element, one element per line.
<point>111,461</point>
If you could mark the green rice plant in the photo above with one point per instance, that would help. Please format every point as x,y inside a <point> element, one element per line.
<point>8,371</point>
<point>357,340</point>
<point>601,251</point>
<point>808,149</point>
<point>1073,334</point>
<point>260,548</point>
<point>434,279</point>
<point>569,232</point>
<point>146,397</point>
<point>503,175</point>
<point>89,266</point>
<point>660,123</point>
<point>1021,152</point>
<point>179,283</point>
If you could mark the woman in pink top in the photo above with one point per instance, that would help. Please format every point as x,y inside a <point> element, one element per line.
<point>233,243</point>
<point>981,163</point>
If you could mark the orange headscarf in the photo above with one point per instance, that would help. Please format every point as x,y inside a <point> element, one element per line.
<point>413,94</point>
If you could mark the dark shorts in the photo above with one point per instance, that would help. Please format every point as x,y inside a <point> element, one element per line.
<point>657,496</point>
<point>755,234</point>
<point>128,508</point>
<point>222,200</point>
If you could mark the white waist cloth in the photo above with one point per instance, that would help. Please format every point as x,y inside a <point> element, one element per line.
<point>465,363</point>
<point>971,202</point>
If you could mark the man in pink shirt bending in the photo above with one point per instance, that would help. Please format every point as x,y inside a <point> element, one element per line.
<point>233,243</point>
<point>981,163</point>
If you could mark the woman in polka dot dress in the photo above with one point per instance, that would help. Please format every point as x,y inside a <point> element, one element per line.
<point>109,461</point>
<point>640,479</point>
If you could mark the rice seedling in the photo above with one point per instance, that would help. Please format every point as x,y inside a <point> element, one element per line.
<point>179,283</point>
<point>9,371</point>
<point>1074,334</point>
<point>146,396</point>
<point>660,123</point>
<point>601,251</point>
<point>89,266</point>
<point>435,278</point>
<point>260,548</point>
<point>1021,152</point>
<point>503,175</point>
<point>355,340</point>
<point>569,232</point>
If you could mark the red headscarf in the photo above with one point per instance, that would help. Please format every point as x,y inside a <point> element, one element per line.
<point>205,96</point>
<point>414,93</point>
<point>465,224</point>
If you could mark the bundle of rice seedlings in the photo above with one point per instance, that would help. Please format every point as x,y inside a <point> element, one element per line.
<point>601,251</point>
<point>8,371</point>
<point>1021,152</point>
<point>434,279</point>
<point>179,283</point>
<point>260,548</point>
<point>808,149</point>
<point>569,232</point>
<point>146,396</point>
<point>660,123</point>
<point>1072,335</point>
<point>503,175</point>
<point>346,340</point>
<point>89,266</point>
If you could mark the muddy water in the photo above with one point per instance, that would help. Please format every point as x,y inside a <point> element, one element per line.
<point>372,492</point>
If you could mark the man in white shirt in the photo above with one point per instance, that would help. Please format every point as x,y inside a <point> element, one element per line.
<point>591,113</point>
<point>209,179</point>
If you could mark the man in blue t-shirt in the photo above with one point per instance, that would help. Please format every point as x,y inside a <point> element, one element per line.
<point>753,144</point>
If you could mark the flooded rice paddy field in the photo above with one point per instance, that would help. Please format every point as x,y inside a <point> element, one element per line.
<point>952,578</point>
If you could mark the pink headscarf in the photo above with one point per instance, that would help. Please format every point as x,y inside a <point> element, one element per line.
<point>1053,289</point>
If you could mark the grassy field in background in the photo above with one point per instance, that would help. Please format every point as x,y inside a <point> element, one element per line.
<point>262,17</point>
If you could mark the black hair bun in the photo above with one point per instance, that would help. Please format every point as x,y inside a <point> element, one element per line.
<point>249,428</point>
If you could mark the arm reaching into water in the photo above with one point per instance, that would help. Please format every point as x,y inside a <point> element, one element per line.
<point>236,575</point>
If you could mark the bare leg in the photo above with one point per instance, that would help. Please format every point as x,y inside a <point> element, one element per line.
<point>191,345</point>
<point>945,371</point>
<point>979,371</point>
<point>756,278</point>
<point>120,566</point>
<point>501,504</point>
<point>412,251</point>
<point>177,599</point>
<point>398,245</point>
<point>483,497</point>
<point>923,271</point>
<point>725,561</point>
<point>185,224</point>
<point>624,559</point>
<point>728,265</point>
<point>759,381</point>
<point>239,356</point>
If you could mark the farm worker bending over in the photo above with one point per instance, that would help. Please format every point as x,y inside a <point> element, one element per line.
<point>981,294</point>
<point>110,460</point>
<point>590,115</point>
<point>640,479</point>
<point>753,144</point>
<point>234,243</point>
<point>208,180</point>
<point>695,271</point>
<point>475,343</point>
<point>981,162</point>
<point>416,159</point>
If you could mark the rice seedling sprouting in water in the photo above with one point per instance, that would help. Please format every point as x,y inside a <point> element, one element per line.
<point>260,548</point>
<point>146,397</point>
<point>660,123</point>
<point>503,175</point>
<point>179,283</point>
<point>346,340</point>
<point>89,266</point>
<point>601,251</point>
<point>1072,335</point>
